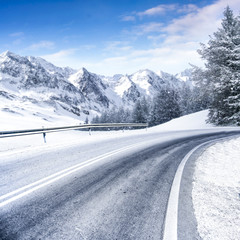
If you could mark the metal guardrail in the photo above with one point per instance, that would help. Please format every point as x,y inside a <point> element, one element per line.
<point>15,133</point>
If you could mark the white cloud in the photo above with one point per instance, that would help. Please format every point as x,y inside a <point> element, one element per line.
<point>87,47</point>
<point>174,45</point>
<point>170,47</point>
<point>117,46</point>
<point>168,59</point>
<point>128,18</point>
<point>62,53</point>
<point>62,58</point>
<point>198,26</point>
<point>187,8</point>
<point>41,45</point>
<point>17,38</point>
<point>16,34</point>
<point>147,28</point>
<point>164,8</point>
<point>158,10</point>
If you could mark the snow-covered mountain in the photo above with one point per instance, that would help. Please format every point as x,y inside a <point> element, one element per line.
<point>185,75</point>
<point>33,85</point>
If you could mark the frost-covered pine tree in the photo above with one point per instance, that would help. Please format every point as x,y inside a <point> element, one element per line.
<point>145,108</point>
<point>137,113</point>
<point>165,107</point>
<point>140,112</point>
<point>221,76</point>
<point>184,102</point>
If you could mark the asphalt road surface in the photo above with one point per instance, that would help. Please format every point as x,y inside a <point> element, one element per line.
<point>109,190</point>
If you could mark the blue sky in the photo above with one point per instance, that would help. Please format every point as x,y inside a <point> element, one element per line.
<point>109,37</point>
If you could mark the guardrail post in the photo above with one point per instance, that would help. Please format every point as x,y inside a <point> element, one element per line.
<point>44,136</point>
<point>89,131</point>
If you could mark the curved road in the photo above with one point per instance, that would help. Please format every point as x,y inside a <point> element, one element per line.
<point>109,190</point>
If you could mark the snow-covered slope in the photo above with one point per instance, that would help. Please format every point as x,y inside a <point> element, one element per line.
<point>10,121</point>
<point>29,81</point>
<point>31,85</point>
<point>188,122</point>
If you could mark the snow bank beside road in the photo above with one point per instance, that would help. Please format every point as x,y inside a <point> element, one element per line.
<point>68,138</point>
<point>216,190</point>
<point>194,121</point>
<point>188,122</point>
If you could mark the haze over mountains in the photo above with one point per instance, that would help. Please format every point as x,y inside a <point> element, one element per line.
<point>33,85</point>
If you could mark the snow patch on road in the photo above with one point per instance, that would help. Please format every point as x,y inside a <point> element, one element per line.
<point>216,191</point>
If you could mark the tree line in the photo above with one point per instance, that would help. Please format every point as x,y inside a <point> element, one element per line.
<point>163,107</point>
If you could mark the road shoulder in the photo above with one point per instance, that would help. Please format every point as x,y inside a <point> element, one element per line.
<point>188,225</point>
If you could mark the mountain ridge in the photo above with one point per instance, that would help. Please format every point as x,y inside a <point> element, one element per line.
<point>80,93</point>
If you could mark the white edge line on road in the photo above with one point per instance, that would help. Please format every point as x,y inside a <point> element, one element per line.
<point>53,175</point>
<point>171,219</point>
<point>23,191</point>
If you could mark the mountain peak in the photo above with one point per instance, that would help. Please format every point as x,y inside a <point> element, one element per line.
<point>83,71</point>
<point>144,71</point>
<point>7,54</point>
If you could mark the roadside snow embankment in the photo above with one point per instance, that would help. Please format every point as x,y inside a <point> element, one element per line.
<point>216,191</point>
<point>69,138</point>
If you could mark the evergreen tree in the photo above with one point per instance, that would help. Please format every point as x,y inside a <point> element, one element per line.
<point>145,109</point>
<point>221,78</point>
<point>127,116</point>
<point>165,107</point>
<point>140,113</point>
<point>137,113</point>
<point>185,103</point>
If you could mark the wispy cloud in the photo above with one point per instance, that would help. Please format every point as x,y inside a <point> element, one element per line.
<point>155,43</point>
<point>188,8</point>
<point>143,29</point>
<point>61,53</point>
<point>17,34</point>
<point>128,18</point>
<point>87,47</point>
<point>63,57</point>
<point>172,45</point>
<point>163,58</point>
<point>117,46</point>
<point>196,27</point>
<point>158,10</point>
<point>150,27</point>
<point>17,37</point>
<point>191,25</point>
<point>41,45</point>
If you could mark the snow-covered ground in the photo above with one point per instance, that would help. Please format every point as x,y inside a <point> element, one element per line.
<point>33,143</point>
<point>68,138</point>
<point>216,186</point>
<point>216,191</point>
<point>188,122</point>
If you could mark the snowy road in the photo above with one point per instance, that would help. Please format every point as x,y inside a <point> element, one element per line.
<point>113,189</point>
